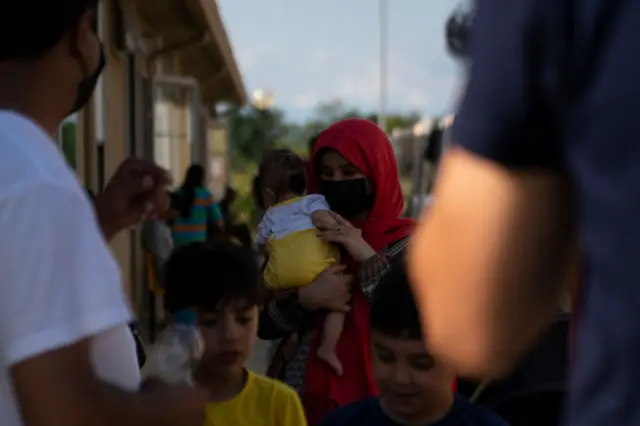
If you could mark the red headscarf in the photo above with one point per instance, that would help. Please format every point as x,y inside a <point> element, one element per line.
<point>367,147</point>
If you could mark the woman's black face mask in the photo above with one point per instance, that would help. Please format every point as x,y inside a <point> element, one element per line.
<point>348,198</point>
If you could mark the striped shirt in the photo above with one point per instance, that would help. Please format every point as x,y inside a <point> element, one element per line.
<point>194,229</point>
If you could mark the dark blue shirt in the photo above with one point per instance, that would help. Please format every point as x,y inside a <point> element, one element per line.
<point>369,412</point>
<point>563,94</point>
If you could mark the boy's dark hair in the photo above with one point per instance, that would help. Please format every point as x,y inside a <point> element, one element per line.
<point>393,310</point>
<point>282,171</point>
<point>29,29</point>
<point>207,274</point>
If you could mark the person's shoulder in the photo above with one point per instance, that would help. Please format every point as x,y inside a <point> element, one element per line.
<point>315,202</point>
<point>362,412</point>
<point>286,209</point>
<point>315,198</point>
<point>264,385</point>
<point>474,414</point>
<point>29,157</point>
<point>48,201</point>
<point>279,401</point>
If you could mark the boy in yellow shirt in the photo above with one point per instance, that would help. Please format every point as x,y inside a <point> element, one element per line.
<point>222,281</point>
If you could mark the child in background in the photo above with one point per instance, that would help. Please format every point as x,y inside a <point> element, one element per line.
<point>295,256</point>
<point>415,389</point>
<point>222,282</point>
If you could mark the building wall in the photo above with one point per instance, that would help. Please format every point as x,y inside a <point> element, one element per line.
<point>173,129</point>
<point>116,147</point>
<point>112,118</point>
<point>163,131</point>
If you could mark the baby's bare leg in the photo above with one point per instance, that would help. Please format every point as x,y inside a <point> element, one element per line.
<point>331,331</point>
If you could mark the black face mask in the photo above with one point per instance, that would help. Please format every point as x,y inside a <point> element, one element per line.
<point>88,85</point>
<point>348,198</point>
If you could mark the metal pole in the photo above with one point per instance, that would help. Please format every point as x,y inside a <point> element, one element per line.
<point>383,42</point>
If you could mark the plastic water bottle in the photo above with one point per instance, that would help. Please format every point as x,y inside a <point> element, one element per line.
<point>176,352</point>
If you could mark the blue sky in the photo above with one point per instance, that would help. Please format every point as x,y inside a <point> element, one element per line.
<point>309,51</point>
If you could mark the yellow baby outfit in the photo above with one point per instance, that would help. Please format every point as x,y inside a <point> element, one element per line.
<point>295,255</point>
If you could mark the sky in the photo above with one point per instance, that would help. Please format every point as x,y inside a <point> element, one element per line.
<point>311,51</point>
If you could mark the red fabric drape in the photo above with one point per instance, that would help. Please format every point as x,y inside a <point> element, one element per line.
<point>367,147</point>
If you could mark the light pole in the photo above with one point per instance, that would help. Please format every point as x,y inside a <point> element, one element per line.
<point>383,58</point>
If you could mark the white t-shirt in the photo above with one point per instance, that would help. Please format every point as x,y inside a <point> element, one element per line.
<point>59,282</point>
<point>285,218</point>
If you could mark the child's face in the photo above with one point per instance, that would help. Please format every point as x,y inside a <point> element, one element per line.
<point>229,333</point>
<point>407,376</point>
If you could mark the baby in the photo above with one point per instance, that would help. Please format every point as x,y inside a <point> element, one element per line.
<point>295,256</point>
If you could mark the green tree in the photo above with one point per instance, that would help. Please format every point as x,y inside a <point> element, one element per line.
<point>253,132</point>
<point>398,121</point>
<point>327,113</point>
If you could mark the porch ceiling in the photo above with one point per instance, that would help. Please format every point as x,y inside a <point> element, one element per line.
<point>194,29</point>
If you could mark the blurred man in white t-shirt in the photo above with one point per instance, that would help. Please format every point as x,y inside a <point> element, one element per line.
<point>67,357</point>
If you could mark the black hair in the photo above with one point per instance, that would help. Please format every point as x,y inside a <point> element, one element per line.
<point>458,30</point>
<point>28,30</point>
<point>393,310</point>
<point>256,193</point>
<point>203,275</point>
<point>193,179</point>
<point>282,171</point>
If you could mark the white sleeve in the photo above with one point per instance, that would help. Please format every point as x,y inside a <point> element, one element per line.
<point>59,282</point>
<point>314,202</point>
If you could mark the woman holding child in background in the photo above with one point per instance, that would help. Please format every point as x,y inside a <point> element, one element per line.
<point>354,167</point>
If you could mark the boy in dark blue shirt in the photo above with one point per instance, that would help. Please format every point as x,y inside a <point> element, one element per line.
<point>414,388</point>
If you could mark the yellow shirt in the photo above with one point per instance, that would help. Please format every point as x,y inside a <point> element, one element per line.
<point>262,402</point>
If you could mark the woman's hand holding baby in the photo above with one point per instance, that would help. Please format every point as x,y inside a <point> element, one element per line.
<point>331,290</point>
<point>337,229</point>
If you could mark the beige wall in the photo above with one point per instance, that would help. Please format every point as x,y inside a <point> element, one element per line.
<point>117,147</point>
<point>173,129</point>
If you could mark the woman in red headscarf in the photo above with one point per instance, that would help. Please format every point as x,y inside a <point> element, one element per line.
<point>354,167</point>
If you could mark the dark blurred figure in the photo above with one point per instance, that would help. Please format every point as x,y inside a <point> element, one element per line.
<point>545,165</point>
<point>233,230</point>
<point>226,205</point>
